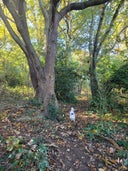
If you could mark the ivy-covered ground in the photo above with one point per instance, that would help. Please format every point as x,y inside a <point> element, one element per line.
<point>93,143</point>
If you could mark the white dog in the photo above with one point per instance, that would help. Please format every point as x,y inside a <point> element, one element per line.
<point>72,114</point>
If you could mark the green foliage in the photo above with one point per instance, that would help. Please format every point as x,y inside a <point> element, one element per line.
<point>123,143</point>
<point>34,102</point>
<point>26,157</point>
<point>11,76</point>
<point>54,113</point>
<point>114,103</point>
<point>52,110</point>
<point>104,128</point>
<point>123,154</point>
<point>2,139</point>
<point>106,67</point>
<point>17,93</point>
<point>13,142</point>
<point>13,66</point>
<point>109,129</point>
<point>66,77</point>
<point>120,78</point>
<point>100,103</point>
<point>108,102</point>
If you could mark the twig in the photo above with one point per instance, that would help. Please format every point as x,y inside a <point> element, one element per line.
<point>51,145</point>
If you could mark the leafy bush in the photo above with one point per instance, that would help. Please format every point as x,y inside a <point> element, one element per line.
<point>119,79</point>
<point>107,101</point>
<point>13,75</point>
<point>55,113</point>
<point>66,78</point>
<point>100,104</point>
<point>22,157</point>
<point>35,102</point>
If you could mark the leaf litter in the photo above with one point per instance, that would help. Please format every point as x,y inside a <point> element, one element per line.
<point>91,143</point>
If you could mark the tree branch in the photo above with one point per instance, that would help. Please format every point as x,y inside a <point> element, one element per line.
<point>80,6</point>
<point>13,34</point>
<point>95,45</point>
<point>90,46</point>
<point>12,11</point>
<point>43,10</point>
<point>20,19</point>
<point>111,24</point>
<point>55,2</point>
<point>116,39</point>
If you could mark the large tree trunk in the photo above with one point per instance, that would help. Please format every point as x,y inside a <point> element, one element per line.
<point>36,74</point>
<point>49,71</point>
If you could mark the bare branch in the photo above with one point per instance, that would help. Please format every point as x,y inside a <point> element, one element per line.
<point>80,6</point>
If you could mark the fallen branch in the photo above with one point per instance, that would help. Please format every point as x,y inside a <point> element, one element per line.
<point>111,141</point>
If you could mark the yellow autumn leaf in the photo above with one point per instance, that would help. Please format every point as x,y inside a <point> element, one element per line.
<point>95,131</point>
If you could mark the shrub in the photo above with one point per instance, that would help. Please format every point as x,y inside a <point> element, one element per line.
<point>119,79</point>
<point>22,157</point>
<point>66,78</point>
<point>13,75</point>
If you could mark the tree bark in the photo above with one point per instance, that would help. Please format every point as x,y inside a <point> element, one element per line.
<point>51,26</point>
<point>36,74</point>
<point>49,85</point>
<point>94,80</point>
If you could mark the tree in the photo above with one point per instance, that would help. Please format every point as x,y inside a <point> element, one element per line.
<point>43,78</point>
<point>96,43</point>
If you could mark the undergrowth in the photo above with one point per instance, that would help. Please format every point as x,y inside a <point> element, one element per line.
<point>110,130</point>
<point>22,156</point>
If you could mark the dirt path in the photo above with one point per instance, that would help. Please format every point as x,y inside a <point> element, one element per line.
<point>72,151</point>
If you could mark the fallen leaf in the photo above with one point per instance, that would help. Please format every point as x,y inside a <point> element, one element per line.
<point>101,169</point>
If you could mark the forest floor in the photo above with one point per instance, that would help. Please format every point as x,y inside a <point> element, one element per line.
<point>92,143</point>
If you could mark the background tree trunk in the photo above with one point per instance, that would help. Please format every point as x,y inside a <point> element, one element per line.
<point>93,79</point>
<point>95,47</point>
